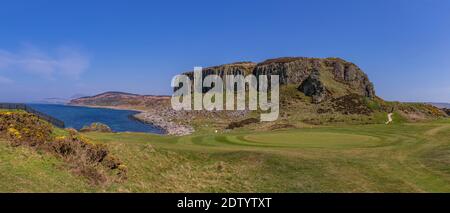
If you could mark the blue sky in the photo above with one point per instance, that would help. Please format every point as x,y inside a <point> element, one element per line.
<point>64,48</point>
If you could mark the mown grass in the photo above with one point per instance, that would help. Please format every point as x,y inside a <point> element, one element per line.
<point>360,158</point>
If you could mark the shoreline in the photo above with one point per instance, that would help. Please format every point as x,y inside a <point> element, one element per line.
<point>132,117</point>
<point>150,118</point>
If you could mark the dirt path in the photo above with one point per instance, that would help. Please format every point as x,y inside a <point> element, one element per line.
<point>436,130</point>
<point>389,118</point>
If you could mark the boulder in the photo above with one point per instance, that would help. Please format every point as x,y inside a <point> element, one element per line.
<point>96,127</point>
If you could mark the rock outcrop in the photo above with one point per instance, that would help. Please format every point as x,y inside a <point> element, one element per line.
<point>447,111</point>
<point>96,127</point>
<point>313,87</point>
<point>169,127</point>
<point>333,75</point>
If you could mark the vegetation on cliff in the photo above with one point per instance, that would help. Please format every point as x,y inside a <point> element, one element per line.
<point>83,157</point>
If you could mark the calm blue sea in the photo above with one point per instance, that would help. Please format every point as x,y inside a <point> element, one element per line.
<point>77,117</point>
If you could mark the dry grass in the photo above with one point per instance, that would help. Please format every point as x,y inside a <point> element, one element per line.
<point>83,157</point>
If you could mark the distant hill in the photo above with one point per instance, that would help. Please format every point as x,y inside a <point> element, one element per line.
<point>120,99</point>
<point>57,100</point>
<point>53,101</point>
<point>441,105</point>
<point>78,96</point>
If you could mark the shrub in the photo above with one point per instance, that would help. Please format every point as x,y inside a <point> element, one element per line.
<point>86,158</point>
<point>373,104</point>
<point>351,104</point>
<point>80,147</point>
<point>242,123</point>
<point>22,127</point>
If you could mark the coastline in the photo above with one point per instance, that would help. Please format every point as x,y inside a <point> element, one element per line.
<point>151,118</point>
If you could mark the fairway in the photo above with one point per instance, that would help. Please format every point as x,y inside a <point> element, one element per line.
<point>312,139</point>
<point>352,158</point>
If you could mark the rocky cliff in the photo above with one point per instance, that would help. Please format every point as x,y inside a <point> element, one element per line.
<point>316,77</point>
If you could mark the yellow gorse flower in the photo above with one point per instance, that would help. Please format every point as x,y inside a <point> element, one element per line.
<point>60,138</point>
<point>14,133</point>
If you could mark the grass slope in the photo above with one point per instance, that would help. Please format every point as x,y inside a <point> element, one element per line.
<point>363,158</point>
<point>24,170</point>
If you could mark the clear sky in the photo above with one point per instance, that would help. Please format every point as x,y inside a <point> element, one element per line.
<point>64,48</point>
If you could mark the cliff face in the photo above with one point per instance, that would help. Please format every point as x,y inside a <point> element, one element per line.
<point>314,87</point>
<point>316,77</point>
<point>238,68</point>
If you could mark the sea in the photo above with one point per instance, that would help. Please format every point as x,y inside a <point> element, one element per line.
<point>76,117</point>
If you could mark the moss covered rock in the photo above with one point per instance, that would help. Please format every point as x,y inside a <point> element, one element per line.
<point>96,127</point>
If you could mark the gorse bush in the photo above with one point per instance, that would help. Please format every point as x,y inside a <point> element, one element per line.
<point>242,123</point>
<point>84,157</point>
<point>77,145</point>
<point>87,158</point>
<point>351,104</point>
<point>22,127</point>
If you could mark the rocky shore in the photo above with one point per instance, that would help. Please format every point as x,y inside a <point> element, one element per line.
<point>159,118</point>
<point>169,127</point>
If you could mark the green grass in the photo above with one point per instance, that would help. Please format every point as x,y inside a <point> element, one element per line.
<point>9,110</point>
<point>24,170</point>
<point>336,88</point>
<point>296,139</point>
<point>357,158</point>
